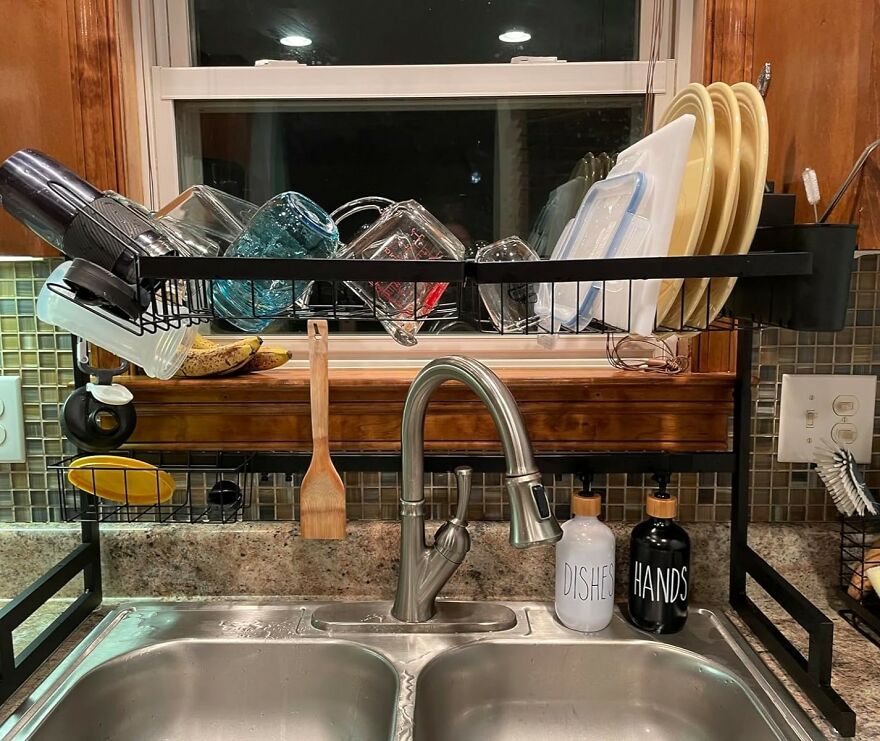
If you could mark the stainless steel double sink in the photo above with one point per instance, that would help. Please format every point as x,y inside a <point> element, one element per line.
<point>265,671</point>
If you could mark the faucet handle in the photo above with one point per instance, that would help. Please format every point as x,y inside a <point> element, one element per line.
<point>463,476</point>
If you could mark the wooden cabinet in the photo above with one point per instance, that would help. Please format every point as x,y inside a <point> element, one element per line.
<point>61,70</point>
<point>823,103</point>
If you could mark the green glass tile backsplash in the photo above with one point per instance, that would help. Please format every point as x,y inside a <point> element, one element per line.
<point>40,355</point>
<point>780,492</point>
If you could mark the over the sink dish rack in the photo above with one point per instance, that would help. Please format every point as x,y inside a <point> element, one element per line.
<point>796,276</point>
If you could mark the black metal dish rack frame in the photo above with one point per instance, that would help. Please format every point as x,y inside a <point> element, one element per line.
<point>796,268</point>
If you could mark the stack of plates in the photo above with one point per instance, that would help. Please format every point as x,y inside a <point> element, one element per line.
<point>721,194</point>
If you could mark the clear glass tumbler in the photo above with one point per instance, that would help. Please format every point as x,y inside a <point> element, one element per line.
<point>511,306</point>
<point>207,220</point>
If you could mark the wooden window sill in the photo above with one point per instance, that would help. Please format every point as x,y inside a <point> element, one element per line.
<point>564,409</point>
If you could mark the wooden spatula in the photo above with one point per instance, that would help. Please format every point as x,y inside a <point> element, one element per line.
<point>322,495</point>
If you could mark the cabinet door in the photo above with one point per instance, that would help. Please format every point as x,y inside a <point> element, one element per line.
<point>60,94</point>
<point>823,104</point>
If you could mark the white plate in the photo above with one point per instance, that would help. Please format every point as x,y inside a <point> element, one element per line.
<point>662,157</point>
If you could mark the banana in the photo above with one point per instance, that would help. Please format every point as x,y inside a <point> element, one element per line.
<point>219,359</point>
<point>203,343</point>
<point>266,358</point>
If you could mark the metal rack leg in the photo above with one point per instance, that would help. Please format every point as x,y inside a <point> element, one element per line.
<point>90,531</point>
<point>742,448</point>
<point>813,671</point>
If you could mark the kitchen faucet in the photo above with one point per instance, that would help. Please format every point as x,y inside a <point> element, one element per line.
<point>425,570</point>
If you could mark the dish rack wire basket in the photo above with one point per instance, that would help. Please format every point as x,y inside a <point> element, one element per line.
<point>859,553</point>
<point>796,276</point>
<point>197,494</point>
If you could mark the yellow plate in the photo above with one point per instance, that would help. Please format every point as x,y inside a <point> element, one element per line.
<point>696,187</point>
<point>754,152</point>
<point>122,480</point>
<point>725,187</point>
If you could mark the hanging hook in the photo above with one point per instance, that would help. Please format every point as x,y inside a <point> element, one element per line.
<point>104,375</point>
<point>764,77</point>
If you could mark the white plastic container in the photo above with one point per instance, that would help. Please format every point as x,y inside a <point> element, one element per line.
<point>662,158</point>
<point>585,568</point>
<point>160,353</point>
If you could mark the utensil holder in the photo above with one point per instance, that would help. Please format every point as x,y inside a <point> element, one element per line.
<point>815,302</point>
<point>858,554</point>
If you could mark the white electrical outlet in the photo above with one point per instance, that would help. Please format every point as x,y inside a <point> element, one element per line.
<point>820,411</point>
<point>11,420</point>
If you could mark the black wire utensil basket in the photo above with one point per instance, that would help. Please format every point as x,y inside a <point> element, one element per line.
<point>859,555</point>
<point>185,487</point>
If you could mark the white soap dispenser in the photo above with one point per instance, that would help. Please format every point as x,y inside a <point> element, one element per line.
<point>585,567</point>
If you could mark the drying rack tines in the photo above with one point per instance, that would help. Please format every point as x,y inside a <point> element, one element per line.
<point>795,276</point>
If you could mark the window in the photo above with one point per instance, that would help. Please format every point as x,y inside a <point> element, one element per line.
<point>390,32</point>
<point>404,100</point>
<point>454,156</point>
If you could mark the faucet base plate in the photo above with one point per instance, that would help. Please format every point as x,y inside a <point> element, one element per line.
<point>451,617</point>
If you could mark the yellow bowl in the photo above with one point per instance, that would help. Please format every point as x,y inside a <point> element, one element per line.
<point>122,480</point>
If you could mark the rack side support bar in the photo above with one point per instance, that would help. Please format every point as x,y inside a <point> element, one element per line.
<point>91,532</point>
<point>812,673</point>
<point>84,559</point>
<point>15,670</point>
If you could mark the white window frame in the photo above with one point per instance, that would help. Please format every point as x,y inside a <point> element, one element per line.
<point>163,50</point>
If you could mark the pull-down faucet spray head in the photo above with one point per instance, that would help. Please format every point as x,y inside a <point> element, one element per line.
<point>531,522</point>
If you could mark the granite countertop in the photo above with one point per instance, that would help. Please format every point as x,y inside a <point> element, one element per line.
<point>856,672</point>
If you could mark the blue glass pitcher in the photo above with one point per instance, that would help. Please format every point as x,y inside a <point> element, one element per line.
<point>288,225</point>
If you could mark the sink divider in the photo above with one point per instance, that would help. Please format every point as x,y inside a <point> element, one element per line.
<point>812,672</point>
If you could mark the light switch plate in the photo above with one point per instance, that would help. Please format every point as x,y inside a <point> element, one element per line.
<point>11,420</point>
<point>821,411</point>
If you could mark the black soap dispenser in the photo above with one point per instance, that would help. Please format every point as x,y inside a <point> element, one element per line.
<point>659,567</point>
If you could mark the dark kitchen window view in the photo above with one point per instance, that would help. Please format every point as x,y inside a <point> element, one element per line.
<point>487,169</point>
<point>390,32</point>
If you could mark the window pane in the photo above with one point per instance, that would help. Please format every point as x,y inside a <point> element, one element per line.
<point>342,32</point>
<point>485,168</point>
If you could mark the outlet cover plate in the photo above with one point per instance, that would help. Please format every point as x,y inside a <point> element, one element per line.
<point>11,420</point>
<point>824,410</point>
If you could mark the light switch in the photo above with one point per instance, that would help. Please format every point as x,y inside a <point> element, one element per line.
<point>817,412</point>
<point>11,420</point>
